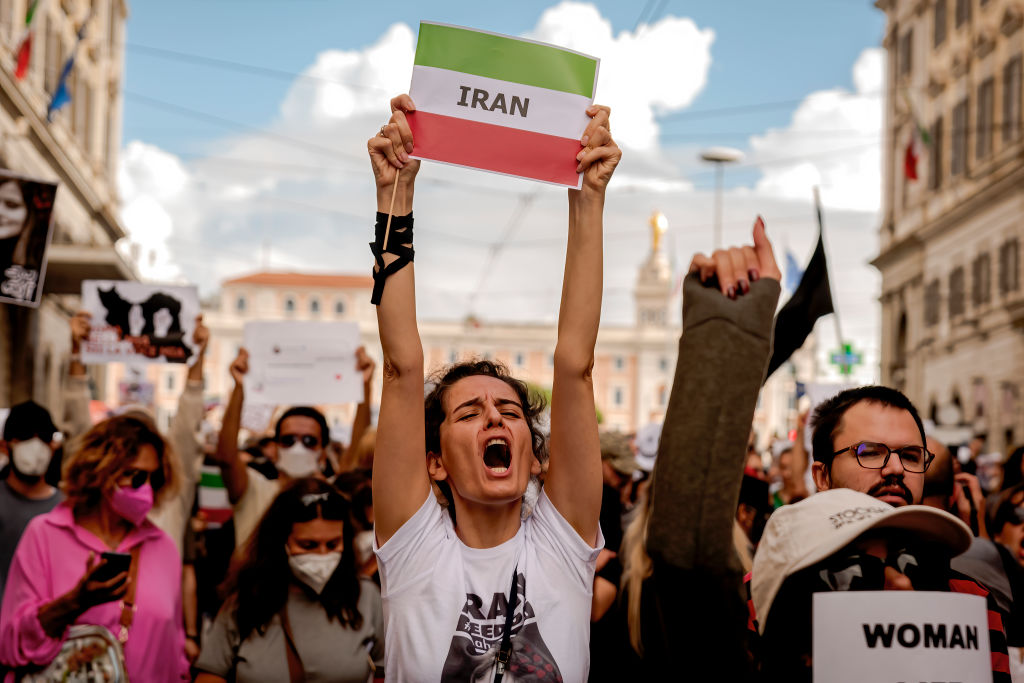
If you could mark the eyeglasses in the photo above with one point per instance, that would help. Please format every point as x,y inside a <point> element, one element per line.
<point>139,477</point>
<point>308,440</point>
<point>875,456</point>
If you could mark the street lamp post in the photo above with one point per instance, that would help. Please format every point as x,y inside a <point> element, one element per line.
<point>720,156</point>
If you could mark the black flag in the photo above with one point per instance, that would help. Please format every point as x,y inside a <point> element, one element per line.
<point>811,300</point>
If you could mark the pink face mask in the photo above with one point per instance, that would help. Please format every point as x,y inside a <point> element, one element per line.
<point>132,504</point>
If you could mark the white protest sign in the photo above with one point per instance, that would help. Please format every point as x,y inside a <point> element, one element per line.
<point>899,637</point>
<point>302,363</point>
<point>133,322</point>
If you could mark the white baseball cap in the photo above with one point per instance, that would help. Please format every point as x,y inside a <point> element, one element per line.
<point>805,533</point>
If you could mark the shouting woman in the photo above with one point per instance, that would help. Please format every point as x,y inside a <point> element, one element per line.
<point>476,587</point>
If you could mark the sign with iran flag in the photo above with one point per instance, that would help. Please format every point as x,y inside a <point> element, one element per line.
<point>500,104</point>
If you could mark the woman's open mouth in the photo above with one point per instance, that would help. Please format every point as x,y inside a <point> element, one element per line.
<point>497,456</point>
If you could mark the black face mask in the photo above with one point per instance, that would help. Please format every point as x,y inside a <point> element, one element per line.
<point>855,570</point>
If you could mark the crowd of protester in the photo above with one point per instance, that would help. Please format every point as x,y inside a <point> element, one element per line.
<point>465,538</point>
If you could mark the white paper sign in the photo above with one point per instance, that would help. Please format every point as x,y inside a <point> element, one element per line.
<point>900,637</point>
<point>133,322</point>
<point>302,363</point>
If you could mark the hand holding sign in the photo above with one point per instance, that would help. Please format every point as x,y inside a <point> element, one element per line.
<point>600,155</point>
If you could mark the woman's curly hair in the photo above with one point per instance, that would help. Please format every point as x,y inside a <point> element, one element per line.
<point>533,404</point>
<point>102,454</point>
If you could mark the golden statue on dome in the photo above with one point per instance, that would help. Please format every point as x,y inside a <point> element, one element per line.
<point>659,226</point>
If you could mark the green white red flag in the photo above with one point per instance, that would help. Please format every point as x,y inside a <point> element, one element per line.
<point>24,53</point>
<point>500,104</point>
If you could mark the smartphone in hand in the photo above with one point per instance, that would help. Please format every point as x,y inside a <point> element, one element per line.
<point>115,564</point>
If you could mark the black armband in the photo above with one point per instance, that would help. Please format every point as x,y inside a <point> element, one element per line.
<point>399,243</point>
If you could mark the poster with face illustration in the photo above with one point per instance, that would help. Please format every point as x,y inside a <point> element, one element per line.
<point>133,322</point>
<point>26,212</point>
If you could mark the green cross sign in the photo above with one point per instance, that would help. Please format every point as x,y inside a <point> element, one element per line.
<point>846,359</point>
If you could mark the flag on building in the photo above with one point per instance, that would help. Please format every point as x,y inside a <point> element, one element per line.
<point>811,300</point>
<point>24,52</point>
<point>61,95</point>
<point>499,103</point>
<point>918,136</point>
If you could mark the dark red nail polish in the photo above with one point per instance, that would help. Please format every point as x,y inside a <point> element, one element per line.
<point>754,275</point>
<point>731,292</point>
<point>744,287</point>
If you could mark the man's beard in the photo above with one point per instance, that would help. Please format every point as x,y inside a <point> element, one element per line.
<point>892,481</point>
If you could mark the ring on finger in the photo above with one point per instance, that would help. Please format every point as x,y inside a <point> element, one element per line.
<point>382,133</point>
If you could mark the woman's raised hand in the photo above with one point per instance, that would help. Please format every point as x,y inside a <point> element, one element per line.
<point>736,267</point>
<point>599,154</point>
<point>390,148</point>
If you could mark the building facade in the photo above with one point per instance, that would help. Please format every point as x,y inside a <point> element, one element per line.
<point>950,239</point>
<point>77,149</point>
<point>633,369</point>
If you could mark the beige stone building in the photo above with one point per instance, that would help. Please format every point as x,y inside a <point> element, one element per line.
<point>952,301</point>
<point>633,364</point>
<point>78,150</point>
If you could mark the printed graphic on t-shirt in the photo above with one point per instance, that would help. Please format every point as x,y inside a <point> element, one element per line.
<point>477,640</point>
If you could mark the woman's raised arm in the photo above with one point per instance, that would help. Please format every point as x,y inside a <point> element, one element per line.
<point>573,481</point>
<point>400,483</point>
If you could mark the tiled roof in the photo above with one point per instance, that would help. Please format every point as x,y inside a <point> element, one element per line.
<point>313,280</point>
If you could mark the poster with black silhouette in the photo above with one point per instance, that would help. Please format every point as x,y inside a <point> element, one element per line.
<point>26,217</point>
<point>133,322</point>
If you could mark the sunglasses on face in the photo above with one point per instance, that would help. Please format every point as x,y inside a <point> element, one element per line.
<point>875,456</point>
<point>861,571</point>
<point>137,478</point>
<point>308,440</point>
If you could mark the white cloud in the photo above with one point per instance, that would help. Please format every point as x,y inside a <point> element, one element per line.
<point>150,181</point>
<point>632,78</point>
<point>304,188</point>
<point>833,140</point>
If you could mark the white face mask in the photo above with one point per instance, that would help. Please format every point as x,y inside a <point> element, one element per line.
<point>31,457</point>
<point>297,460</point>
<point>362,544</point>
<point>314,569</point>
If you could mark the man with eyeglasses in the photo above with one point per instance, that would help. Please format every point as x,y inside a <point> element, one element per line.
<point>870,439</point>
<point>301,436</point>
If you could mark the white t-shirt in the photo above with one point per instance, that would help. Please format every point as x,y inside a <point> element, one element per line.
<point>445,603</point>
<point>249,509</point>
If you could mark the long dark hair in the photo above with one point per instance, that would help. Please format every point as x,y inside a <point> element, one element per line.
<point>38,200</point>
<point>257,586</point>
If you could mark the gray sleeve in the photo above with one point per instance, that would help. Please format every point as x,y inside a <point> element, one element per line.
<point>220,647</point>
<point>723,352</point>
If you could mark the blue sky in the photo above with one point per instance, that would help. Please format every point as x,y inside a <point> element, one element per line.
<point>211,185</point>
<point>764,53</point>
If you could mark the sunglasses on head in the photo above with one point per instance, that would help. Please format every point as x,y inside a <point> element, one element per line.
<point>860,571</point>
<point>323,505</point>
<point>140,477</point>
<point>308,440</point>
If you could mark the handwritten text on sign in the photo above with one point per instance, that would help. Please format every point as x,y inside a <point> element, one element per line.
<point>900,636</point>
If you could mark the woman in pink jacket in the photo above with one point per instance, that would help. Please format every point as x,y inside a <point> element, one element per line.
<point>119,469</point>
